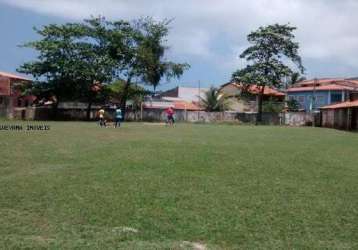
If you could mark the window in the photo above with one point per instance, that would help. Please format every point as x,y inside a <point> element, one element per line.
<point>19,102</point>
<point>335,97</point>
<point>320,100</point>
<point>301,99</point>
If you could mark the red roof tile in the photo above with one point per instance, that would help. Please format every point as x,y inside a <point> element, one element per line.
<point>320,88</point>
<point>328,81</point>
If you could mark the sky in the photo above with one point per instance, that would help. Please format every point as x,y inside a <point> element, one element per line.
<point>207,34</point>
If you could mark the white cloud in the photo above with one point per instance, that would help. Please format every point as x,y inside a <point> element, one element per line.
<point>216,29</point>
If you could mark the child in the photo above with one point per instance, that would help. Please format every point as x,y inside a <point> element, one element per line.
<point>118,117</point>
<point>170,116</point>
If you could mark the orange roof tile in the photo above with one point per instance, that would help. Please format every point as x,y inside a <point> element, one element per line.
<point>349,104</point>
<point>254,89</point>
<point>13,76</point>
<point>186,106</point>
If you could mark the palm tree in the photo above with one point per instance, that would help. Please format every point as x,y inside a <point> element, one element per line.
<point>214,101</point>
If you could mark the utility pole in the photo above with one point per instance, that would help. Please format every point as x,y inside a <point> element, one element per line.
<point>314,94</point>
<point>199,99</point>
<point>315,82</point>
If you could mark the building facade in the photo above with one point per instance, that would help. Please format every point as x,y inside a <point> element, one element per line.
<point>241,104</point>
<point>314,94</point>
<point>10,94</point>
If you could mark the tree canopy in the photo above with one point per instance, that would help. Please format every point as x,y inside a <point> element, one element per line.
<point>272,50</point>
<point>76,60</point>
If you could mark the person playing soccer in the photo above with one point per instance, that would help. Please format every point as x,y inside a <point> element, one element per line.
<point>102,122</point>
<point>170,116</point>
<point>118,117</point>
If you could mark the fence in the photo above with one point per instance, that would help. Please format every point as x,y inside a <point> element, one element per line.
<point>345,118</point>
<point>158,115</point>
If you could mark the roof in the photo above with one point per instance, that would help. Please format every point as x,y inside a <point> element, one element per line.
<point>320,88</point>
<point>255,89</point>
<point>349,104</point>
<point>328,81</point>
<point>187,106</point>
<point>13,76</point>
<point>178,105</point>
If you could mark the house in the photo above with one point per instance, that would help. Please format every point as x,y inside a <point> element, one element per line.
<point>313,94</point>
<point>10,94</point>
<point>179,98</point>
<point>341,116</point>
<point>237,103</point>
<point>186,94</point>
<point>175,104</point>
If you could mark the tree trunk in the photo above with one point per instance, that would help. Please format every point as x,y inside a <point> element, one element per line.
<point>55,108</point>
<point>124,96</point>
<point>89,107</point>
<point>260,104</point>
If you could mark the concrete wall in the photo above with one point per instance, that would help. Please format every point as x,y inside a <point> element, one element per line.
<point>157,115</point>
<point>6,107</point>
<point>299,119</point>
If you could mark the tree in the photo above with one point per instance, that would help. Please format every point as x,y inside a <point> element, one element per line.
<point>214,101</point>
<point>52,69</point>
<point>272,47</point>
<point>136,92</point>
<point>71,63</point>
<point>153,50</point>
<point>138,48</point>
<point>295,78</point>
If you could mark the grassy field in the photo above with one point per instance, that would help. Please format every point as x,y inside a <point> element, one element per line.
<point>193,186</point>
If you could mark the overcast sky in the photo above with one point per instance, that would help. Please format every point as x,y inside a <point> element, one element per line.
<point>208,34</point>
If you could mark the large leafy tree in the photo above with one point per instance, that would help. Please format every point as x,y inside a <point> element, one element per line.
<point>139,49</point>
<point>214,101</point>
<point>136,92</point>
<point>71,62</point>
<point>272,48</point>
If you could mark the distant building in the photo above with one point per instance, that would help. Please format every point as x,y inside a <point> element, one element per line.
<point>341,115</point>
<point>184,94</point>
<point>10,94</point>
<point>179,98</point>
<point>237,103</point>
<point>313,94</point>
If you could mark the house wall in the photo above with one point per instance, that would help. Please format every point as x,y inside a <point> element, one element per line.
<point>5,107</point>
<point>171,93</point>
<point>230,90</point>
<point>239,105</point>
<point>323,98</point>
<point>344,118</point>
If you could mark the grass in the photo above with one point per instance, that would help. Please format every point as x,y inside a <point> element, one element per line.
<point>153,187</point>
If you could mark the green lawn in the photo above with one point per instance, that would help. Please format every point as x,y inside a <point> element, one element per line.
<point>154,187</point>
